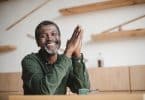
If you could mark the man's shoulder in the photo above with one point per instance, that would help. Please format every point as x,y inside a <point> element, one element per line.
<point>31,62</point>
<point>31,56</point>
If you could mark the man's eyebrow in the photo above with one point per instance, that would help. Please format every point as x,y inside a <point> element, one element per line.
<point>56,31</point>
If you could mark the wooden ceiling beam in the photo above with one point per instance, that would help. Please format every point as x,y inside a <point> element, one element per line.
<point>118,35</point>
<point>99,6</point>
<point>28,14</point>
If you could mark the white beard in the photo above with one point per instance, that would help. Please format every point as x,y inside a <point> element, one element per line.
<point>50,51</point>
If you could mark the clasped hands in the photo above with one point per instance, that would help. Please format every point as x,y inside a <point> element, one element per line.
<point>74,44</point>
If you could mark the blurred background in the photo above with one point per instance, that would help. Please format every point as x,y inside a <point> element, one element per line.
<point>18,19</point>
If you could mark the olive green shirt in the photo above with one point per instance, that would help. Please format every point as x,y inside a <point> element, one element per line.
<point>40,77</point>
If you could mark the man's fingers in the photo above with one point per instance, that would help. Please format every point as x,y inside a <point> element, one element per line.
<point>82,33</point>
<point>74,44</point>
<point>78,33</point>
<point>77,36</point>
<point>75,32</point>
<point>80,38</point>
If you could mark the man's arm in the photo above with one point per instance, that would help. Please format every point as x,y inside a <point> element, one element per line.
<point>79,77</point>
<point>39,83</point>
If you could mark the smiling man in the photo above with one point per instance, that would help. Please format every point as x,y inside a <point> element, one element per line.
<point>48,72</point>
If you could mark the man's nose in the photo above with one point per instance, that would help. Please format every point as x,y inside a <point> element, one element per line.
<point>49,36</point>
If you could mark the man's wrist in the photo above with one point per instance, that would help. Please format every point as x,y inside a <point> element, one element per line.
<point>66,53</point>
<point>76,55</point>
<point>78,58</point>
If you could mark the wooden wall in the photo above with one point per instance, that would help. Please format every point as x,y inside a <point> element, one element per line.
<point>109,79</point>
<point>10,83</point>
<point>118,79</point>
<point>106,80</point>
<point>137,77</point>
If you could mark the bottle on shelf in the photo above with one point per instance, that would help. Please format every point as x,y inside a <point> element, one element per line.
<point>100,60</point>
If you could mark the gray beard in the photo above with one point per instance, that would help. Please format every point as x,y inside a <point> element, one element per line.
<point>50,51</point>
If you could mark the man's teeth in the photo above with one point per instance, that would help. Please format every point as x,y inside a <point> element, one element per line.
<point>52,43</point>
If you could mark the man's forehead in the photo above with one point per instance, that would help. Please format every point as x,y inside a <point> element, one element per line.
<point>48,27</point>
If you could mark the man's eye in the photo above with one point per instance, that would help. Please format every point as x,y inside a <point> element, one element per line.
<point>42,36</point>
<point>53,34</point>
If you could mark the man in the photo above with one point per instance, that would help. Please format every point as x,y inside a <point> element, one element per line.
<point>47,72</point>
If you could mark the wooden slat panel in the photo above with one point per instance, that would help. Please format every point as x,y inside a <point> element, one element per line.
<point>10,82</point>
<point>99,6</point>
<point>110,79</point>
<point>5,95</point>
<point>137,74</point>
<point>118,35</point>
<point>104,79</point>
<point>92,77</point>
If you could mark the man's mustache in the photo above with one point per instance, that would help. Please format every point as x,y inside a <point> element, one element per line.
<point>55,41</point>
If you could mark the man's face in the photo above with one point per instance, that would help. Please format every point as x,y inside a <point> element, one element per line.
<point>49,39</point>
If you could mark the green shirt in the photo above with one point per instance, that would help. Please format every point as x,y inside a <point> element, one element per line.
<point>39,77</point>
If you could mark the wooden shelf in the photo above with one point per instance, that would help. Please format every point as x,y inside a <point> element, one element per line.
<point>7,48</point>
<point>117,35</point>
<point>99,6</point>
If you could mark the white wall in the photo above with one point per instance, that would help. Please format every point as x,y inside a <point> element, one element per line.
<point>115,53</point>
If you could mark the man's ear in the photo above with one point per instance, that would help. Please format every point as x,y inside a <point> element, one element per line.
<point>38,44</point>
<point>59,43</point>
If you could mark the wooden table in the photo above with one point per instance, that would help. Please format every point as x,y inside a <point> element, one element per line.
<point>80,97</point>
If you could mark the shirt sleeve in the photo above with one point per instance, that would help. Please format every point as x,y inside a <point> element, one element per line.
<point>79,77</point>
<point>38,82</point>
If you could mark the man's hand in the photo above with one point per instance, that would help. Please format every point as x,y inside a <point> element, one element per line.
<point>73,45</point>
<point>77,51</point>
